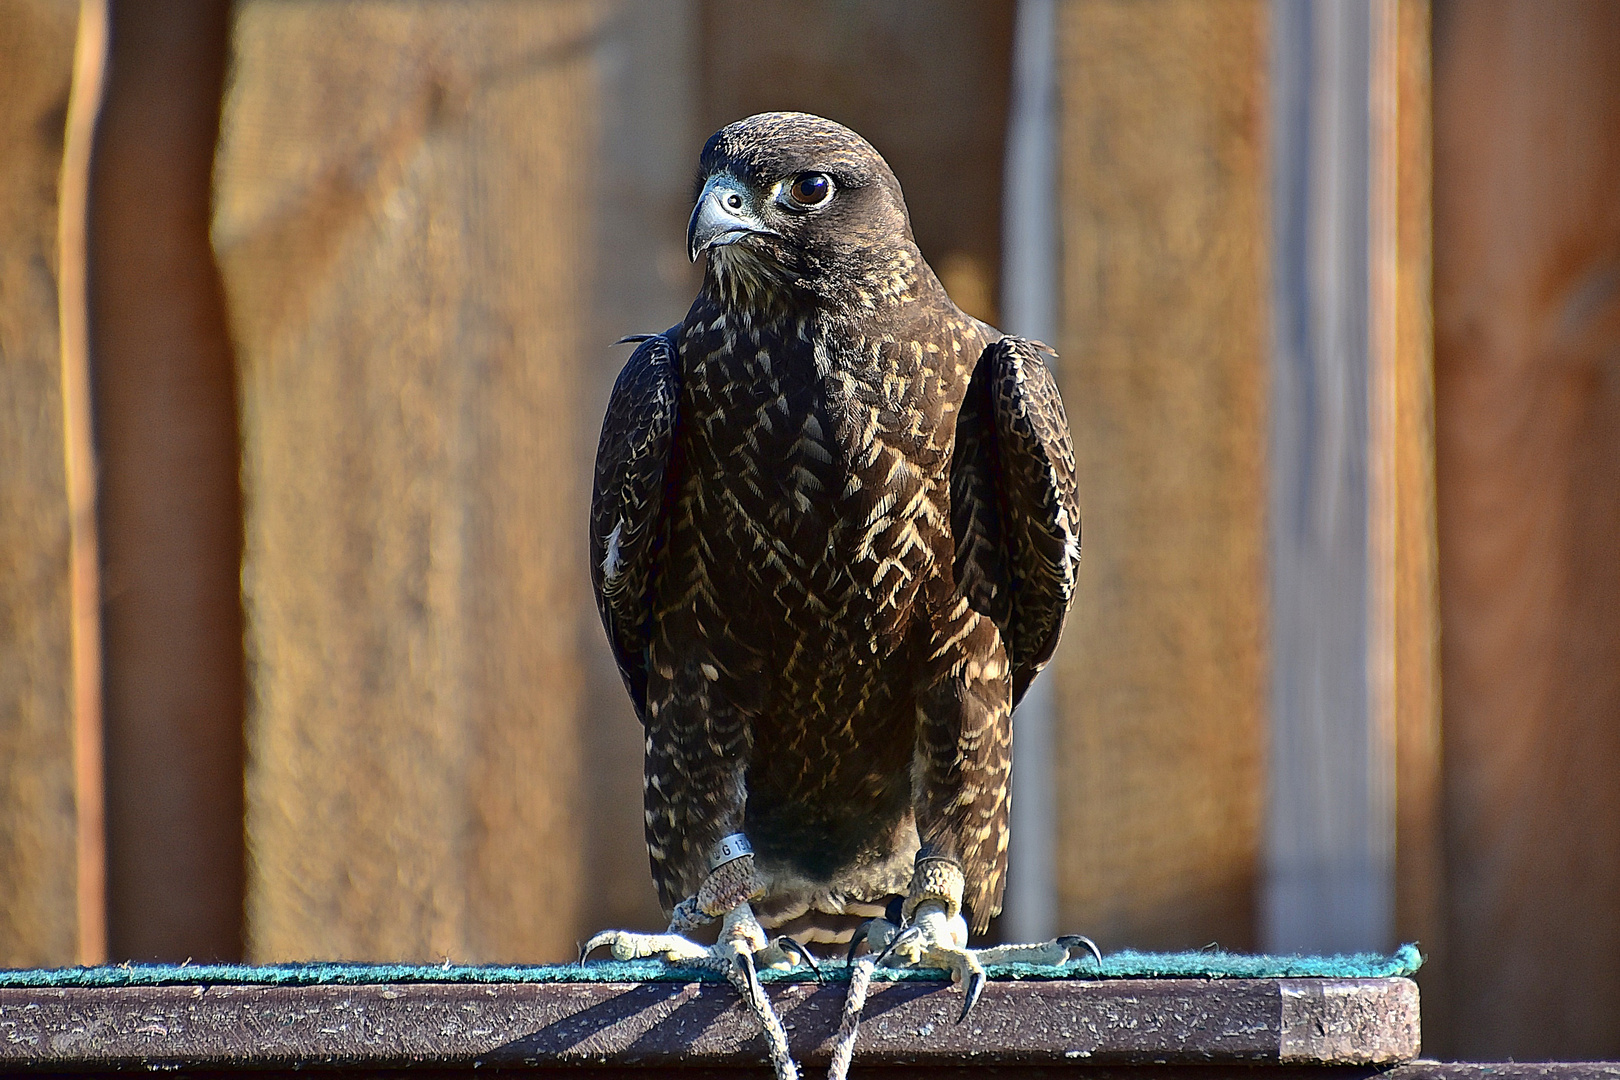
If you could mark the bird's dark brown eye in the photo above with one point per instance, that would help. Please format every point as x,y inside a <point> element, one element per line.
<point>811,190</point>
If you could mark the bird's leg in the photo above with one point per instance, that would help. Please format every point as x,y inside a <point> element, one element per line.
<point>935,935</point>
<point>742,946</point>
<point>724,894</point>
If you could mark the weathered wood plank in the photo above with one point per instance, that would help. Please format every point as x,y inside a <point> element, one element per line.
<point>1330,844</point>
<point>403,219</point>
<point>38,823</point>
<point>1416,1070</point>
<point>1352,626</point>
<point>1419,830</point>
<point>1161,677</point>
<point>1505,1070</point>
<point>1166,1021</point>
<point>1030,287</point>
<point>1527,331</point>
<point>169,501</point>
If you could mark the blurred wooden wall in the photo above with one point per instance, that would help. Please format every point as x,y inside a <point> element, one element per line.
<point>39,885</point>
<point>1160,731</point>
<point>646,61</point>
<point>411,206</point>
<point>403,224</point>
<point>1527,373</point>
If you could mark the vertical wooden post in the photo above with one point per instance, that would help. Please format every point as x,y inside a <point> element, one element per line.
<point>169,501</point>
<point>73,307</point>
<point>403,218</point>
<point>1419,857</point>
<point>1354,725</point>
<point>1527,406</point>
<point>1161,677</point>
<point>1029,306</point>
<point>647,59</point>
<point>1330,836</point>
<point>50,895</point>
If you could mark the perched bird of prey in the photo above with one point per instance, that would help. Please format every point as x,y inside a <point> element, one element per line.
<point>834,535</point>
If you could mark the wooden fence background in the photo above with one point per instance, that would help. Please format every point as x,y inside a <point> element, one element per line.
<point>352,271</point>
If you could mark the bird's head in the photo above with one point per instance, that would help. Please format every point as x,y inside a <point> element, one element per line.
<point>792,210</point>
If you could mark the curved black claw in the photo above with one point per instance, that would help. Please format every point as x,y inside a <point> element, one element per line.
<point>1069,941</point>
<point>975,987</point>
<point>793,947</point>
<point>904,937</point>
<point>855,942</point>
<point>632,339</point>
<point>750,975</point>
<point>584,951</point>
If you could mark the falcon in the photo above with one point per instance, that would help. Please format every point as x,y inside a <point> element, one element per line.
<point>834,535</point>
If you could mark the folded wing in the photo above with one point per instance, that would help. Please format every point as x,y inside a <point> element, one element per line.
<point>628,503</point>
<point>1015,508</point>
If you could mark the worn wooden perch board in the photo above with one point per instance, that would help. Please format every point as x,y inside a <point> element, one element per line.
<point>1123,1022</point>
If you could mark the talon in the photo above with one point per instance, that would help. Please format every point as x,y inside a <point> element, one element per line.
<point>794,948</point>
<point>744,960</point>
<point>1070,941</point>
<point>855,942</point>
<point>863,935</point>
<point>604,938</point>
<point>904,937</point>
<point>975,986</point>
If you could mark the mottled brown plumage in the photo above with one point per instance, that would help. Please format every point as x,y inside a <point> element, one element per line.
<point>834,536</point>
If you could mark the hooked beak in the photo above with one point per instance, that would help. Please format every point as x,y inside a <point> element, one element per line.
<point>724,214</point>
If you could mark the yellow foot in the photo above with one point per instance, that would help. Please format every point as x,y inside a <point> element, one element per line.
<point>935,940</point>
<point>740,950</point>
<point>742,941</point>
<point>629,945</point>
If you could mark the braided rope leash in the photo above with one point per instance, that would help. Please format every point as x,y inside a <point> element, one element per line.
<point>731,883</point>
<point>849,1022</point>
<point>742,977</point>
<point>933,878</point>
